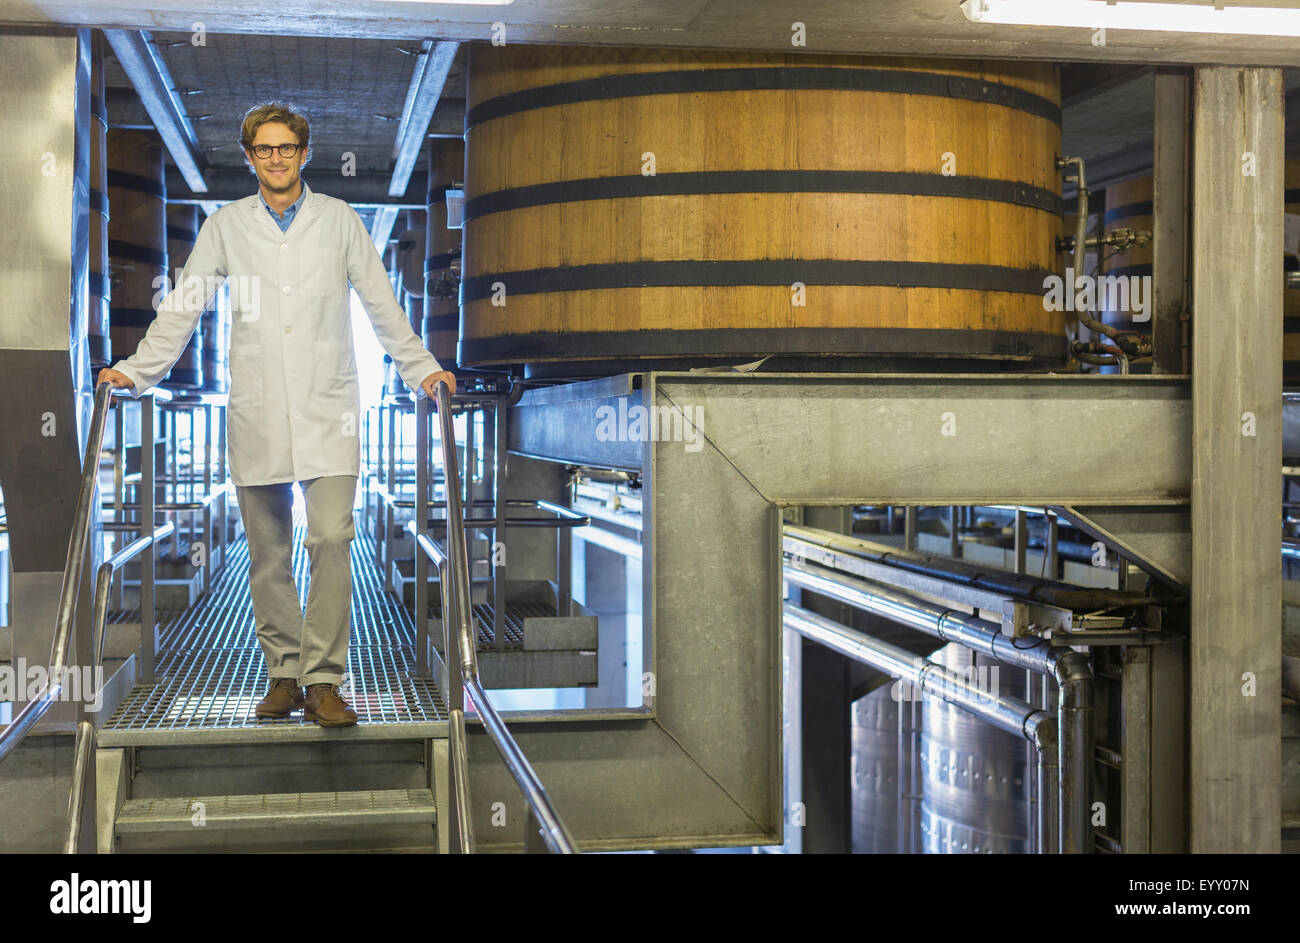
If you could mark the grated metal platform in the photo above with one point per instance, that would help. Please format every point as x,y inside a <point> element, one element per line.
<point>211,673</point>
<point>516,613</point>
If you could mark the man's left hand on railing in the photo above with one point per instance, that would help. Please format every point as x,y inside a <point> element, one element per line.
<point>430,384</point>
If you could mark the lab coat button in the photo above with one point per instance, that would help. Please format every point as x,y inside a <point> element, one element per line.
<point>286,289</point>
<point>284,245</point>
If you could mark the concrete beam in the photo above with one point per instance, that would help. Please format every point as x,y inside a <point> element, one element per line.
<point>884,27</point>
<point>1235,664</point>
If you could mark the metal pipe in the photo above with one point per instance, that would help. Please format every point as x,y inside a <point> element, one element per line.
<point>1067,667</point>
<point>1048,591</point>
<point>1080,250</point>
<point>1012,715</point>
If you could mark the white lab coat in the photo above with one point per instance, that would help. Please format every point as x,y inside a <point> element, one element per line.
<point>294,409</point>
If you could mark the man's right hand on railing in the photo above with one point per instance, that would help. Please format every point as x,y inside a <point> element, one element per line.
<point>430,384</point>
<point>115,377</point>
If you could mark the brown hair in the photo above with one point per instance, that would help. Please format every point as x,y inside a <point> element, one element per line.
<point>259,115</point>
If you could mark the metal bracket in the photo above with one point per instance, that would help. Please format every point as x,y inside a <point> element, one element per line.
<point>1022,619</point>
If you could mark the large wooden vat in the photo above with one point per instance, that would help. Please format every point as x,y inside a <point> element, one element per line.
<point>182,230</point>
<point>137,234</point>
<point>442,250</point>
<point>644,203</point>
<point>1131,205</point>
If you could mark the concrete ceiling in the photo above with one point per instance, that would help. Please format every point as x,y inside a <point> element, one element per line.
<point>352,90</point>
<point>1110,122</point>
<point>886,27</point>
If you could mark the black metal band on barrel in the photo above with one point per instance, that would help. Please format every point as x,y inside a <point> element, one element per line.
<point>441,262</point>
<point>1291,196</point>
<point>442,322</point>
<point>99,202</point>
<point>757,342</point>
<point>181,234</point>
<point>1291,324</point>
<point>132,317</point>
<point>765,181</point>
<point>98,284</point>
<point>127,181</point>
<point>745,272</point>
<point>129,250</point>
<point>1129,209</point>
<point>1126,270</point>
<point>791,78</point>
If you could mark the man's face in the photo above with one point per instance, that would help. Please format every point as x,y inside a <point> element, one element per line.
<point>276,173</point>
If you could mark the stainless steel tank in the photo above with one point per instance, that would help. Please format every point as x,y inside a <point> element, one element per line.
<point>874,767</point>
<point>972,775</point>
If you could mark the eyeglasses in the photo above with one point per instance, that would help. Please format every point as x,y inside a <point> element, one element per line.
<point>286,150</point>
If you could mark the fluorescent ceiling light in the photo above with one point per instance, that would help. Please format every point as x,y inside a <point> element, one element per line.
<point>1136,14</point>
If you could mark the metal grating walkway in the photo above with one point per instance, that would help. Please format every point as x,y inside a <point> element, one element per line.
<point>211,673</point>
<point>516,613</point>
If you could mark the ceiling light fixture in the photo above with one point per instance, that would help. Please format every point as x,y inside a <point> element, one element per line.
<point>1137,14</point>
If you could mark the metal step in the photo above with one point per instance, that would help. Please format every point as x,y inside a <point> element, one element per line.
<point>283,811</point>
<point>294,730</point>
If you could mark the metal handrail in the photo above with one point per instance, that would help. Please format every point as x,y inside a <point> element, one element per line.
<point>80,768</point>
<point>40,705</point>
<point>454,582</point>
<point>104,584</point>
<point>225,488</point>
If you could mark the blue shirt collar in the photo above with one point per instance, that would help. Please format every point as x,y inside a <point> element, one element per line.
<point>290,213</point>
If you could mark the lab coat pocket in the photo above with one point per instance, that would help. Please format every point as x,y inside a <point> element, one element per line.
<point>336,374</point>
<point>321,272</point>
<point>245,377</point>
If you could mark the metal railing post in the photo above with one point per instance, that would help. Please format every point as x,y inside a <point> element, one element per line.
<point>499,529</point>
<point>148,496</point>
<point>420,513</point>
<point>207,490</point>
<point>393,489</point>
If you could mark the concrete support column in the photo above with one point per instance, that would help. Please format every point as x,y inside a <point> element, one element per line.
<point>1235,664</point>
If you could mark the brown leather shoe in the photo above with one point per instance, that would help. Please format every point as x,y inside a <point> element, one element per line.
<point>282,699</point>
<point>327,708</point>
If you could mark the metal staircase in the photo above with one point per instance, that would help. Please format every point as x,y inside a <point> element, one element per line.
<point>199,772</point>
<point>183,764</point>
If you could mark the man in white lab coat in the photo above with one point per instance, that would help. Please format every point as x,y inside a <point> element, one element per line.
<point>289,254</point>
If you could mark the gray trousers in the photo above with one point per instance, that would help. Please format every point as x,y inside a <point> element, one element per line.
<point>311,647</point>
